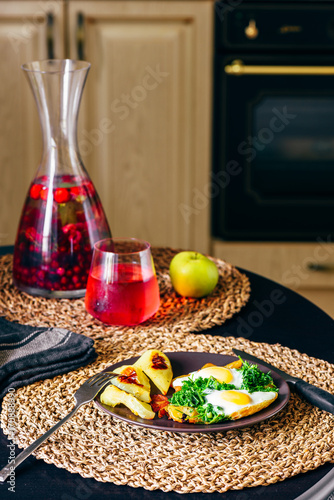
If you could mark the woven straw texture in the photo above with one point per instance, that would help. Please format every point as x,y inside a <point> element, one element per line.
<point>175,313</point>
<point>93,444</point>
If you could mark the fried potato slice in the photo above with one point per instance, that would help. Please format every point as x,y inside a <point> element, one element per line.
<point>113,396</point>
<point>157,367</point>
<point>134,382</point>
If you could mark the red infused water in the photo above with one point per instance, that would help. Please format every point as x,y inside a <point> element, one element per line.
<point>131,298</point>
<point>60,222</point>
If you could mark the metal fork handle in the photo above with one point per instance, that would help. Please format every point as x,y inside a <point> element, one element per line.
<point>8,469</point>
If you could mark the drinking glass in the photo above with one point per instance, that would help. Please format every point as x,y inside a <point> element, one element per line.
<point>122,287</point>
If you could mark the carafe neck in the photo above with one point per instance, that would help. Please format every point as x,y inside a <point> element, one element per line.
<point>57,86</point>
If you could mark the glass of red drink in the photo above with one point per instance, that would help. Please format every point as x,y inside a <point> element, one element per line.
<point>122,287</point>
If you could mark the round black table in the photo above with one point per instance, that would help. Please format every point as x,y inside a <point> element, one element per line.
<point>274,314</point>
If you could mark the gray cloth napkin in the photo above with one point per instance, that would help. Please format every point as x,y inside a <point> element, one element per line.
<point>29,354</point>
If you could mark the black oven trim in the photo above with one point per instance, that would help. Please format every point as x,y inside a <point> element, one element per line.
<point>224,9</point>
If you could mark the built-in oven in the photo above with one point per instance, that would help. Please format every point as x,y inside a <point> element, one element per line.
<point>273,150</point>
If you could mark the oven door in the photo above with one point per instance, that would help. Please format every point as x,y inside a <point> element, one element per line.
<point>273,176</point>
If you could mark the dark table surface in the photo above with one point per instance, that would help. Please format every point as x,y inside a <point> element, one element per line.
<point>274,314</point>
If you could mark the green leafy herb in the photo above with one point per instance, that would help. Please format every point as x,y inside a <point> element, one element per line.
<point>210,414</point>
<point>192,394</point>
<point>255,380</point>
<point>192,391</point>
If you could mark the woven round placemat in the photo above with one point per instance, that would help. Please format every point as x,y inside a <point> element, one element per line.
<point>176,313</point>
<point>93,444</point>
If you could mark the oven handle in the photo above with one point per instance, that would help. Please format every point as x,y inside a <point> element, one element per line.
<point>238,68</point>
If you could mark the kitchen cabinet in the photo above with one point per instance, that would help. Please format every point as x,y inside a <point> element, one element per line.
<point>307,268</point>
<point>145,118</point>
<point>145,129</point>
<point>24,36</point>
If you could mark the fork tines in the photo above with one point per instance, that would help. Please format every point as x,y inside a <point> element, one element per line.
<point>99,378</point>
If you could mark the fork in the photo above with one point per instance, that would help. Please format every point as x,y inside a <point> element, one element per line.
<point>83,395</point>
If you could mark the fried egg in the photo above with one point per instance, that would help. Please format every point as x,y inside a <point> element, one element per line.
<point>236,403</point>
<point>220,373</point>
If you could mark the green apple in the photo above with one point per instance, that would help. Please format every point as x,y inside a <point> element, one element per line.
<point>193,274</point>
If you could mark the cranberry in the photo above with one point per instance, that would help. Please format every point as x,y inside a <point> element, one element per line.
<point>35,191</point>
<point>60,271</point>
<point>69,229</point>
<point>44,193</point>
<point>73,232</point>
<point>63,281</point>
<point>41,275</point>
<point>54,264</point>
<point>81,217</point>
<point>78,191</point>
<point>62,195</point>
<point>32,235</point>
<point>75,279</point>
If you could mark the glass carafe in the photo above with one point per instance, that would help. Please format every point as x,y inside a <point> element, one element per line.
<point>62,217</point>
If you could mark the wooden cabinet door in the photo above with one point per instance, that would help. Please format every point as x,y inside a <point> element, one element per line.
<point>23,38</point>
<point>145,120</point>
<point>307,268</point>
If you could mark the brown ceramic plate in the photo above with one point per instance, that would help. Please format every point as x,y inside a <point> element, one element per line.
<point>185,362</point>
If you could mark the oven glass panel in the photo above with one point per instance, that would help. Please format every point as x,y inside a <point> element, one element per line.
<point>273,152</point>
<point>291,148</point>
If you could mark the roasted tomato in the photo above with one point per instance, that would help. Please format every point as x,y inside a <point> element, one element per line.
<point>158,403</point>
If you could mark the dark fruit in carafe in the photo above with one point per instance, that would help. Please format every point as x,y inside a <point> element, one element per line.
<point>60,223</point>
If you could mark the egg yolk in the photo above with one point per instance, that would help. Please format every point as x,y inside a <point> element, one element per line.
<point>218,372</point>
<point>238,398</point>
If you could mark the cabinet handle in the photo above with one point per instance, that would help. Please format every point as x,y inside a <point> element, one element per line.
<point>80,36</point>
<point>238,68</point>
<point>49,35</point>
<point>324,268</point>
